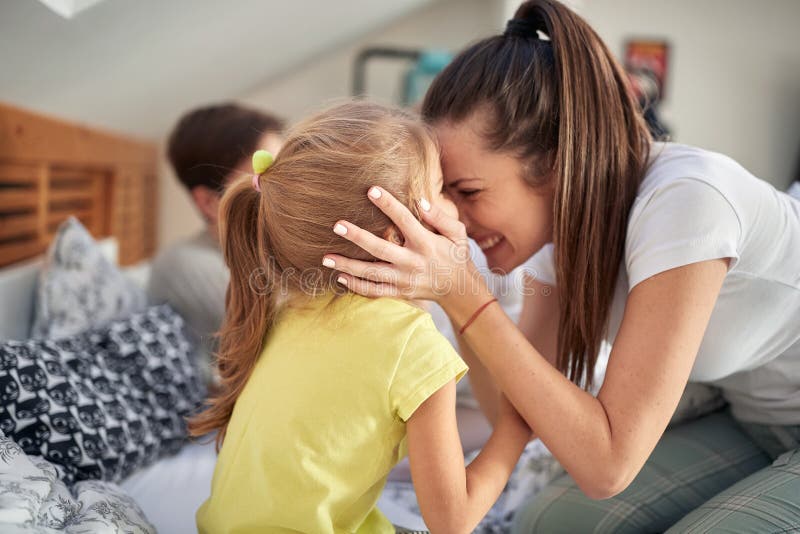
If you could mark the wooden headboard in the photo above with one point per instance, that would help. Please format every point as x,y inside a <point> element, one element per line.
<point>51,169</point>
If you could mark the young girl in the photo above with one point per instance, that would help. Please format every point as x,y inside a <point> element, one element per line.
<point>323,392</point>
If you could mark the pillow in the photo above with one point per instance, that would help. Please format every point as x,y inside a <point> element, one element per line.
<point>697,400</point>
<point>79,288</point>
<point>105,402</point>
<point>33,499</point>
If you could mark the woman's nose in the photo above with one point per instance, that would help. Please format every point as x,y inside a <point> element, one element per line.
<point>463,216</point>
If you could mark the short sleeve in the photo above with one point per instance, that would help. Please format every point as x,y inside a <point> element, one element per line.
<point>427,363</point>
<point>684,222</point>
<point>541,266</point>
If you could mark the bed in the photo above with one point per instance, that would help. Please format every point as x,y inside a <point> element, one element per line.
<point>52,169</point>
<point>169,491</point>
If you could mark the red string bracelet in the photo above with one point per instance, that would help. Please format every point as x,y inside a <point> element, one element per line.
<point>474,316</point>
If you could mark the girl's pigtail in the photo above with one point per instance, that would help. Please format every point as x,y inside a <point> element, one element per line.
<point>250,304</point>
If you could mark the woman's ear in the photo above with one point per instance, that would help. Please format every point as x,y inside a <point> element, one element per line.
<point>393,235</point>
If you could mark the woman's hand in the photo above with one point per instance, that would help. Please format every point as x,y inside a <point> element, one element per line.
<point>428,266</point>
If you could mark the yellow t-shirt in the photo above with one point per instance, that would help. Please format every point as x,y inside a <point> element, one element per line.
<point>321,421</point>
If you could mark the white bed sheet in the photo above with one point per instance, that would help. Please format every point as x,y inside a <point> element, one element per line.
<point>171,490</point>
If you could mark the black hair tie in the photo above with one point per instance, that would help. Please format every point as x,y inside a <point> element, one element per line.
<point>522,28</point>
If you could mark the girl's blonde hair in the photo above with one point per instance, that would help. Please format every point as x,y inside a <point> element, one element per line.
<point>273,241</point>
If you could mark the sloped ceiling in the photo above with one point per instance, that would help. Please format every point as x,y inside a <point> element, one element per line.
<point>134,65</point>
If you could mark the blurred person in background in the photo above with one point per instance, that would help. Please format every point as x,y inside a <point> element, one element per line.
<point>208,148</point>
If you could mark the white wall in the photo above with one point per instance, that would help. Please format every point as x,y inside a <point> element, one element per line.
<point>134,66</point>
<point>446,24</point>
<point>733,86</point>
<point>734,76</point>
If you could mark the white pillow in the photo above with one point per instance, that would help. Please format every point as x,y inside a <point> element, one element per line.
<point>79,288</point>
<point>33,499</point>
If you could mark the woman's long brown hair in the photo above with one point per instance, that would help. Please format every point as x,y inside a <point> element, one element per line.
<point>273,241</point>
<point>562,104</point>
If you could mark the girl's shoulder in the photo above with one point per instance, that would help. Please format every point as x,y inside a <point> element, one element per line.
<point>383,308</point>
<point>372,320</point>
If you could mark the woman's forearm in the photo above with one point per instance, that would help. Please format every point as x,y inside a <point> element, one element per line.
<point>480,380</point>
<point>564,416</point>
<point>603,442</point>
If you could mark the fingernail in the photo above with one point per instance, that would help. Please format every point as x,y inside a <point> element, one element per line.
<point>340,229</point>
<point>374,193</point>
<point>327,262</point>
<point>342,280</point>
<point>424,204</point>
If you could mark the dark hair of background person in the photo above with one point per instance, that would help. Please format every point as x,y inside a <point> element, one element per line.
<point>563,105</point>
<point>209,142</point>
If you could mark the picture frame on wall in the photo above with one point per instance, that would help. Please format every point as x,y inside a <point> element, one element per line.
<point>647,62</point>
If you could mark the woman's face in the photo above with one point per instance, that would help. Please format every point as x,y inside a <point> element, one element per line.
<point>509,219</point>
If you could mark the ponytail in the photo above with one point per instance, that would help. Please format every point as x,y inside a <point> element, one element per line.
<point>603,145</point>
<point>564,106</point>
<point>250,303</point>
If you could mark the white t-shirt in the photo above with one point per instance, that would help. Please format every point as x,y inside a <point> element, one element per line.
<point>192,277</point>
<point>694,205</point>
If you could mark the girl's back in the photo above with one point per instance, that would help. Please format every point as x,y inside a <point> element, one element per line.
<point>321,421</point>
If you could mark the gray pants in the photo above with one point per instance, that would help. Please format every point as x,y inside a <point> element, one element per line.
<point>709,475</point>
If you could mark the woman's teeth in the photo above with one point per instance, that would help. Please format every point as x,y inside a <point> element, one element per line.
<point>489,242</point>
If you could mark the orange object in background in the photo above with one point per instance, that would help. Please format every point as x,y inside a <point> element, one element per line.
<point>647,63</point>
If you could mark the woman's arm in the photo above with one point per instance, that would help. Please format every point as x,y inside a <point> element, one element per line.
<point>454,498</point>
<point>480,380</point>
<point>538,322</point>
<point>602,442</point>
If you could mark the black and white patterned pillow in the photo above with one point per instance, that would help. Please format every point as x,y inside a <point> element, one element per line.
<point>103,403</point>
<point>79,288</point>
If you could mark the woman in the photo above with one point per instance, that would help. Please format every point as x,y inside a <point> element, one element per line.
<point>685,262</point>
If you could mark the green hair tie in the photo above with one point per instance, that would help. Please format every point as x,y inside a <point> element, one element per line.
<point>262,160</point>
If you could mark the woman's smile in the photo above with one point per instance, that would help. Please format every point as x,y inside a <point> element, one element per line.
<point>487,244</point>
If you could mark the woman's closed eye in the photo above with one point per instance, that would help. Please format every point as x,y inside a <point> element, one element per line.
<point>468,192</point>
<point>458,190</point>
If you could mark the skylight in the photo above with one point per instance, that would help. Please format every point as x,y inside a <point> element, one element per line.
<point>69,8</point>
